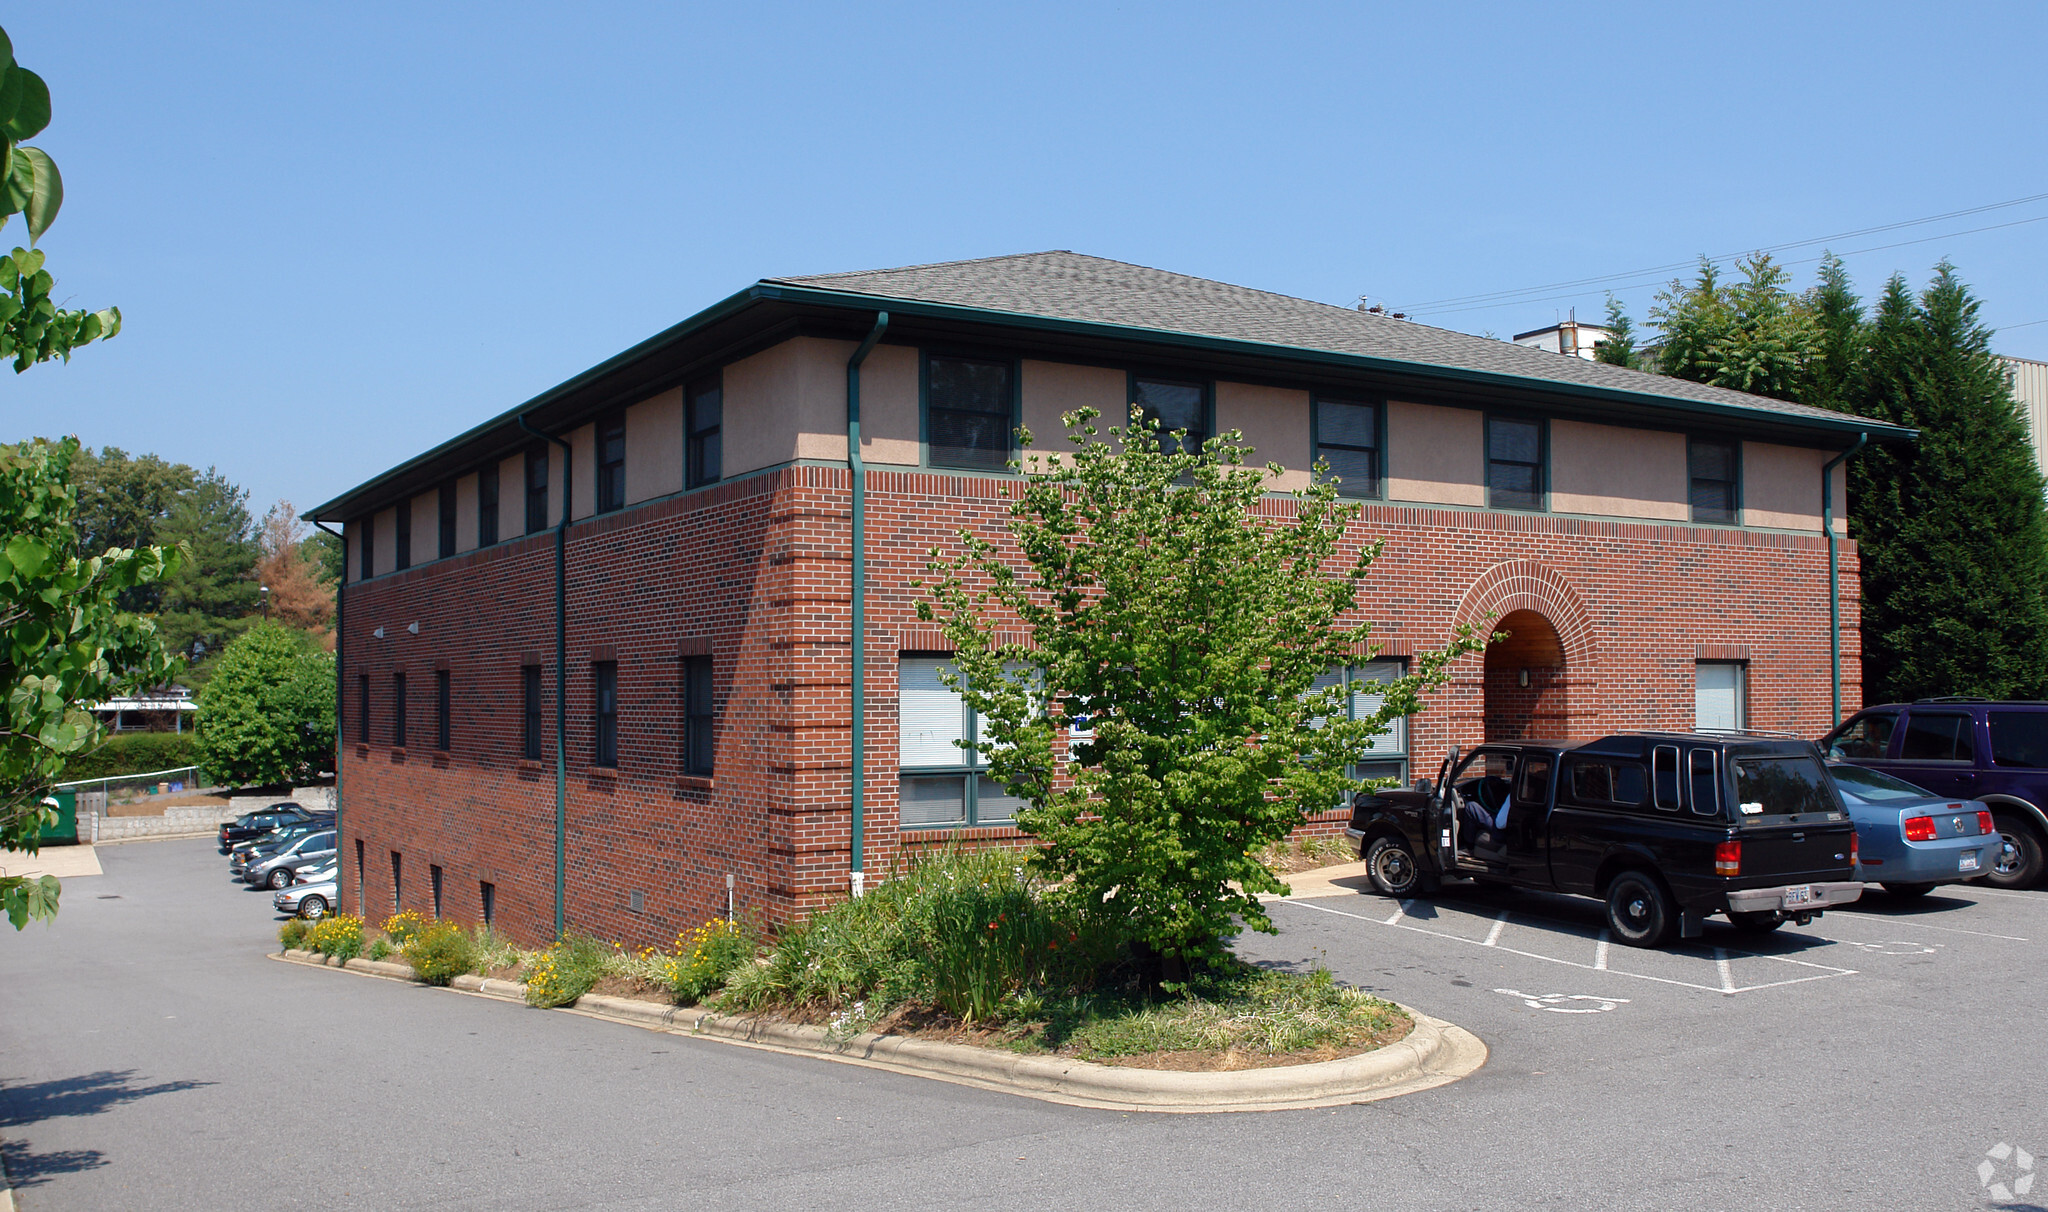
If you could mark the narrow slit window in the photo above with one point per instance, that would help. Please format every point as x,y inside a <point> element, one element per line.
<point>611,463</point>
<point>705,421</point>
<point>363,708</point>
<point>536,490</point>
<point>443,710</point>
<point>402,548</point>
<point>530,712</point>
<point>487,506</point>
<point>605,731</point>
<point>446,506</point>
<point>398,710</point>
<point>697,716</point>
<point>367,545</point>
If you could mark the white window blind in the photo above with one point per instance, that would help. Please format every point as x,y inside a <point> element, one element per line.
<point>1717,695</point>
<point>1366,681</point>
<point>930,715</point>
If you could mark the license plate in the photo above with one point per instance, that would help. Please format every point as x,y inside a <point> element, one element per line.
<point>1967,861</point>
<point>1798,894</point>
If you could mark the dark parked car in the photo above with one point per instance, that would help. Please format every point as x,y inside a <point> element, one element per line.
<point>263,845</point>
<point>279,869</point>
<point>1966,749</point>
<point>1665,827</point>
<point>254,824</point>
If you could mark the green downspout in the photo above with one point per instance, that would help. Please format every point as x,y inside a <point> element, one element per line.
<point>1827,524</point>
<point>561,664</point>
<point>859,573</point>
<point>340,695</point>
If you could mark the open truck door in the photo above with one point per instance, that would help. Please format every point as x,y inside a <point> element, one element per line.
<point>1443,819</point>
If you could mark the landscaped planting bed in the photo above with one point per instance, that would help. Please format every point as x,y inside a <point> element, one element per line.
<point>962,947</point>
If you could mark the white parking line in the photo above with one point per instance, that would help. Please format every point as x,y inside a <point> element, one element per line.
<point>1600,953</point>
<point>1400,910</point>
<point>1900,921</point>
<point>1493,936</point>
<point>1823,971</point>
<point>1727,973</point>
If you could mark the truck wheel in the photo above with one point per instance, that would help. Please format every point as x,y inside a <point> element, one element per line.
<point>2018,863</point>
<point>1639,911</point>
<point>1392,868</point>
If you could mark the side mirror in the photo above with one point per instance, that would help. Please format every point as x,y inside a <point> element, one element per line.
<point>1424,787</point>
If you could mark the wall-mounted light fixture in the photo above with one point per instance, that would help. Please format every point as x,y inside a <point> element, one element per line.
<point>1525,677</point>
<point>379,633</point>
<point>413,627</point>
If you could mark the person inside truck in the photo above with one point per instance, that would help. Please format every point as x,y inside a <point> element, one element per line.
<point>1486,803</point>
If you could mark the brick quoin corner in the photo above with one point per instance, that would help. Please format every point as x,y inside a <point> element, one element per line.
<point>755,571</point>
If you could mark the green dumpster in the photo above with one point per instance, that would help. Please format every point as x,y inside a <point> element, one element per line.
<point>65,830</point>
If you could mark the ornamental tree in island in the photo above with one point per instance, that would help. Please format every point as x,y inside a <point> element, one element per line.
<point>1184,615</point>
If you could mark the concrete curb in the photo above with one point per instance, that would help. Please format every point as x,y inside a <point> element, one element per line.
<point>1435,1053</point>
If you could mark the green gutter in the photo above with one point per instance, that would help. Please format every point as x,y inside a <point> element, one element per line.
<point>561,666</point>
<point>1827,524</point>
<point>858,572</point>
<point>1318,357</point>
<point>340,701</point>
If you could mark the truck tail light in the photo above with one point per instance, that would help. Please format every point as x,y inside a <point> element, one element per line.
<point>1919,828</point>
<point>1985,825</point>
<point>1728,858</point>
<point>1855,848</point>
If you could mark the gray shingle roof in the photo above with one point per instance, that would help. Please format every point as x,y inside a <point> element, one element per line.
<point>1070,286</point>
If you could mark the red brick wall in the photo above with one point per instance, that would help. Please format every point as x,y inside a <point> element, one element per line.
<point>756,572</point>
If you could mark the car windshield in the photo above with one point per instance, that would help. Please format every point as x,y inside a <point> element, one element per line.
<point>1866,784</point>
<point>1783,787</point>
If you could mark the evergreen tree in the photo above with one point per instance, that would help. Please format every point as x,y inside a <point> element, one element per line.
<point>1841,339</point>
<point>1951,528</point>
<point>1619,349</point>
<point>210,599</point>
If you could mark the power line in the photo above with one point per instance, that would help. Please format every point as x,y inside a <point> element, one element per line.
<point>1452,311</point>
<point>1506,296</point>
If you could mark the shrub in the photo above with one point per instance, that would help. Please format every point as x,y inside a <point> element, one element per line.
<point>440,952</point>
<point>959,933</point>
<point>340,936</point>
<point>380,948</point>
<point>293,934</point>
<point>134,753</point>
<point>400,927</point>
<point>706,956</point>
<point>566,971</point>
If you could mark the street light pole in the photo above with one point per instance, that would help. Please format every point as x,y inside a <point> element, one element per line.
<point>266,602</point>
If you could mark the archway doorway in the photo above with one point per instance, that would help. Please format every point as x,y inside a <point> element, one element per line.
<point>1526,692</point>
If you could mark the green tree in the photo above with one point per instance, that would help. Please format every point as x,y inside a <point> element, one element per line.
<point>1619,349</point>
<point>267,713</point>
<point>121,503</point>
<point>211,598</point>
<point>1951,529</point>
<point>32,327</point>
<point>65,643</point>
<point>1841,340</point>
<point>1169,605</point>
<point>1754,335</point>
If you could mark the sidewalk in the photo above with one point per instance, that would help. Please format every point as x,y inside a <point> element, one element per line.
<point>1335,880</point>
<point>64,862</point>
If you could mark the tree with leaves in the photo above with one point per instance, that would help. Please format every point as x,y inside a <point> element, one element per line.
<point>33,328</point>
<point>214,595</point>
<point>1951,529</point>
<point>65,643</point>
<point>1619,349</point>
<point>1187,624</point>
<point>1753,335</point>
<point>267,713</point>
<point>301,595</point>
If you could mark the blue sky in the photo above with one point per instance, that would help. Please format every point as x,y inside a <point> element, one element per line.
<point>342,233</point>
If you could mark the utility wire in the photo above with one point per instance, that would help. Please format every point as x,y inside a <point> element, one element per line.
<point>1452,311</point>
<point>1512,295</point>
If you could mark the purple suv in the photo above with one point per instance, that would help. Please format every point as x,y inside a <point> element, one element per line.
<point>1971,749</point>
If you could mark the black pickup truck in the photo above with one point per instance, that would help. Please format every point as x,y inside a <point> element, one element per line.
<point>1666,827</point>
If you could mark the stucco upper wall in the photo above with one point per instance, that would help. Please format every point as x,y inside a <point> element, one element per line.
<point>1625,473</point>
<point>787,402</point>
<point>889,431</point>
<point>1781,487</point>
<point>1053,389</point>
<point>384,542</point>
<point>654,447</point>
<point>465,513</point>
<point>1275,422</point>
<point>426,527</point>
<point>1436,454</point>
<point>583,488</point>
<point>512,497</point>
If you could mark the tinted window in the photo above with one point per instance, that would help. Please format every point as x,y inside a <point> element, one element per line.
<point>1514,464</point>
<point>1175,406</point>
<point>1665,764</point>
<point>1712,467</point>
<point>1347,438</point>
<point>967,421</point>
<point>1535,781</point>
<point>1938,737</point>
<point>1867,736</point>
<point>1782,787</point>
<point>2020,738</point>
<point>1607,782</point>
<point>1706,789</point>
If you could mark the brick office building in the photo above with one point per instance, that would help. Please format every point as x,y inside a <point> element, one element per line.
<point>1655,547</point>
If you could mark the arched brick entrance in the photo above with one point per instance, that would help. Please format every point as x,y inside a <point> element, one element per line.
<point>1550,636</point>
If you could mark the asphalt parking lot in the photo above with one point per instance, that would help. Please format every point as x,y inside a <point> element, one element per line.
<point>150,1057</point>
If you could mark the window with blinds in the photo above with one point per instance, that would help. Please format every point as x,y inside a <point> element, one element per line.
<point>942,783</point>
<point>1717,695</point>
<point>1363,696</point>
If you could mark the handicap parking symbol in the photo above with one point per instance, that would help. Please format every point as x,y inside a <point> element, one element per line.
<point>1566,1003</point>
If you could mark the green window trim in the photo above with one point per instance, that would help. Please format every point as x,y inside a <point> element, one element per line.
<point>1500,497</point>
<point>958,787</point>
<point>1376,488</point>
<point>1013,369</point>
<point>703,430</point>
<point>1206,386</point>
